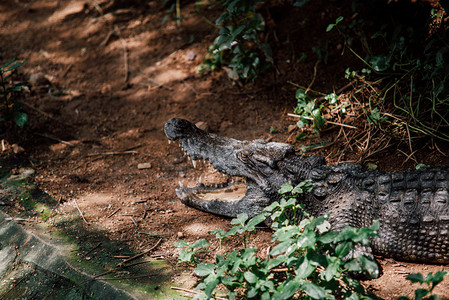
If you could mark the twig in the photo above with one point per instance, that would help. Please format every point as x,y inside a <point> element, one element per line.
<point>122,264</point>
<point>314,76</point>
<point>66,70</point>
<point>158,85</point>
<point>125,53</point>
<point>132,277</point>
<point>113,213</point>
<point>330,122</point>
<point>132,219</point>
<point>113,153</point>
<point>55,139</point>
<point>88,252</point>
<point>138,255</point>
<point>81,213</point>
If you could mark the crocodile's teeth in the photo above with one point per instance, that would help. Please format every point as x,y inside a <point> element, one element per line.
<point>194,163</point>
<point>180,184</point>
<point>200,181</point>
<point>169,142</point>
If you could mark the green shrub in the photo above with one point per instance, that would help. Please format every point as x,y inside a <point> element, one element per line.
<point>238,47</point>
<point>309,259</point>
<point>10,109</point>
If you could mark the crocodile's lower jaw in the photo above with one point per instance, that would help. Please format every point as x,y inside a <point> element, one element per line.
<point>232,192</point>
<point>233,189</point>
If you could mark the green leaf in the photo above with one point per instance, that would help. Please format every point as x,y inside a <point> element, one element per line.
<point>250,277</point>
<point>15,66</point>
<point>199,244</point>
<point>288,290</point>
<point>210,286</point>
<point>205,269</point>
<point>285,188</point>
<point>8,63</point>
<point>21,119</point>
<point>415,277</point>
<point>420,293</point>
<point>240,220</point>
<point>313,290</point>
<point>273,263</point>
<point>353,265</point>
<point>328,237</point>
<point>305,269</point>
<point>343,248</point>
<point>181,243</point>
<point>435,278</point>
<point>369,265</point>
<point>330,27</point>
<point>332,270</point>
<point>255,221</point>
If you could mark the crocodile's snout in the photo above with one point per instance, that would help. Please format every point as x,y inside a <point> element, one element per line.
<point>178,128</point>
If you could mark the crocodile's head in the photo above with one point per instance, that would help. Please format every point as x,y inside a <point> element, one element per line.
<point>258,162</point>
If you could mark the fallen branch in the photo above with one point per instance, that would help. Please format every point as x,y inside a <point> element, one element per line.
<point>113,213</point>
<point>120,265</point>
<point>330,122</point>
<point>88,252</point>
<point>55,139</point>
<point>113,153</point>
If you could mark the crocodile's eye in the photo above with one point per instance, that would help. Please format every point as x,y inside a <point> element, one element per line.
<point>245,154</point>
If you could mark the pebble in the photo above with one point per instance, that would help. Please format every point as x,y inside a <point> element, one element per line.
<point>191,55</point>
<point>180,234</point>
<point>142,166</point>
<point>17,149</point>
<point>38,79</point>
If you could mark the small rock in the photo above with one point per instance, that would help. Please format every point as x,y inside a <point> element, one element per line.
<point>38,79</point>
<point>203,126</point>
<point>60,147</point>
<point>142,166</point>
<point>17,149</point>
<point>191,55</point>
<point>180,234</point>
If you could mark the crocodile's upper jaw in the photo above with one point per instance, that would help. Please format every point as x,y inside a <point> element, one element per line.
<point>253,161</point>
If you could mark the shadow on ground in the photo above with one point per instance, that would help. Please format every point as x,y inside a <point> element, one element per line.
<point>44,255</point>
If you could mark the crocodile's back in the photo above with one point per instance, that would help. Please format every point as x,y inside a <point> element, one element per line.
<point>412,207</point>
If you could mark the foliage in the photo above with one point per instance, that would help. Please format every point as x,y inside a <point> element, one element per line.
<point>410,67</point>
<point>308,261</point>
<point>10,109</point>
<point>238,47</point>
<point>432,280</point>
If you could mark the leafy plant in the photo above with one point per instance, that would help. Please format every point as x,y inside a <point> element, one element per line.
<point>308,111</point>
<point>187,252</point>
<point>432,280</point>
<point>309,260</point>
<point>238,47</point>
<point>9,109</point>
<point>410,66</point>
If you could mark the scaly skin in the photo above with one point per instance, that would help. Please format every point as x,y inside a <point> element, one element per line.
<point>412,206</point>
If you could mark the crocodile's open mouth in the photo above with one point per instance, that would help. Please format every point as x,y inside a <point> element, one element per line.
<point>210,186</point>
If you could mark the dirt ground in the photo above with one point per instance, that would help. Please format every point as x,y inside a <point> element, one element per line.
<point>110,77</point>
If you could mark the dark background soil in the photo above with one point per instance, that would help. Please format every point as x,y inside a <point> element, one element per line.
<point>91,127</point>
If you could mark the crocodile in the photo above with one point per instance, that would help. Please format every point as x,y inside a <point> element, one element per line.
<point>412,206</point>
